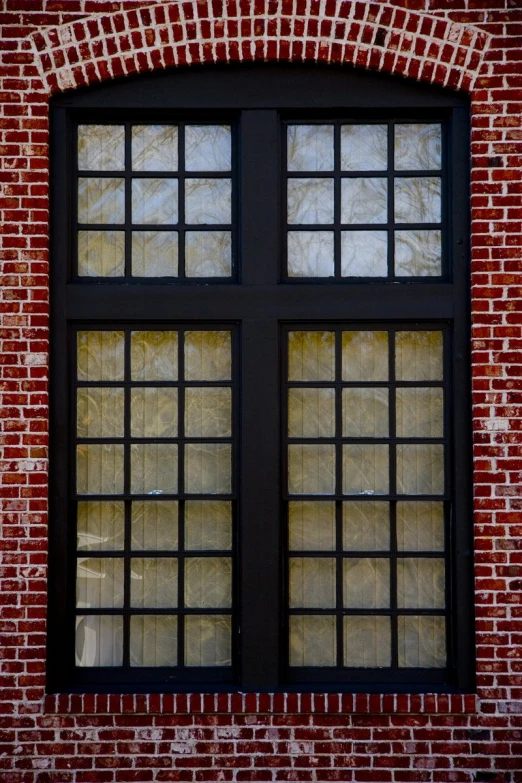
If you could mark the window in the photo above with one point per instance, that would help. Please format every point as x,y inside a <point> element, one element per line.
<point>261,447</point>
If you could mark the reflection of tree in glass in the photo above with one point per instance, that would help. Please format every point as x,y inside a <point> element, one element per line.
<point>208,148</point>
<point>310,148</point>
<point>364,200</point>
<point>364,148</point>
<point>417,146</point>
<point>310,200</point>
<point>208,201</point>
<point>417,200</point>
<point>310,253</point>
<point>418,253</point>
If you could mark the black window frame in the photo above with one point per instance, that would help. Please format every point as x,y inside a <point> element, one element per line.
<point>260,98</point>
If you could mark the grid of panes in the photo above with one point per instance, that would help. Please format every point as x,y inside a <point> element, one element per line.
<point>154,497</point>
<point>154,201</point>
<point>364,200</point>
<point>366,500</point>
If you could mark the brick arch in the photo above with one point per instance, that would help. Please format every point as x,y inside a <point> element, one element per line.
<point>376,36</point>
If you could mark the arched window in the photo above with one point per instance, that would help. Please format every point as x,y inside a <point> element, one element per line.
<point>261,440</point>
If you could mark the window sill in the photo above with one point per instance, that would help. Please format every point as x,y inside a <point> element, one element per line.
<point>255,703</point>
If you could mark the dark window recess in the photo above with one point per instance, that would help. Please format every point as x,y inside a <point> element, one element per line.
<point>260,473</point>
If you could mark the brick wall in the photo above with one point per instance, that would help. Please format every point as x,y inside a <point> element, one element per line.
<point>49,45</point>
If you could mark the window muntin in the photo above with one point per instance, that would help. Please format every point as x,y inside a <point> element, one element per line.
<point>155,201</point>
<point>155,497</point>
<point>364,200</point>
<point>367,503</point>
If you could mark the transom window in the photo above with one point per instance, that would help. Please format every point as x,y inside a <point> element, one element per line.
<point>260,471</point>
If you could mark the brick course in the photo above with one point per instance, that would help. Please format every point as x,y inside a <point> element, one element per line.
<point>52,45</point>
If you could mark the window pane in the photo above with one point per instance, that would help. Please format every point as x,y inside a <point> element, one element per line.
<point>208,201</point>
<point>365,413</point>
<point>310,200</point>
<point>101,147</point>
<point>419,413</point>
<point>365,356</point>
<point>154,468</point>
<point>364,200</point>
<point>311,356</point>
<point>367,641</point>
<point>154,582</point>
<point>311,470</point>
<point>101,253</point>
<point>99,413</point>
<point>208,524</point>
<point>101,200</point>
<point>208,148</point>
<point>364,147</point>
<point>418,253</point>
<point>99,583</point>
<point>100,525</point>
<point>208,582</point>
<point>364,253</point>
<point>420,583</point>
<point>312,641</point>
<point>153,640</point>
<point>99,469</point>
<point>366,583</point>
<point>422,642</point>
<point>99,640</point>
<point>208,468</point>
<point>311,525</point>
<point>310,253</point>
<point>311,413</point>
<point>312,582</point>
<point>154,253</point>
<point>154,148</point>
<point>420,526</point>
<point>208,356</point>
<point>208,640</point>
<point>365,469</point>
<point>420,469</point>
<point>417,146</point>
<point>208,412</point>
<point>155,201</point>
<point>154,413</point>
<point>310,147</point>
<point>418,356</point>
<point>366,525</point>
<point>154,524</point>
<point>417,200</point>
<point>154,356</point>
<point>100,356</point>
<point>208,254</point>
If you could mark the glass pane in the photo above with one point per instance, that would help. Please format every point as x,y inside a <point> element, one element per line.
<point>311,413</point>
<point>208,254</point>
<point>208,468</point>
<point>154,413</point>
<point>313,641</point>
<point>422,642</point>
<point>419,413</point>
<point>99,640</point>
<point>154,468</point>
<point>310,147</point>
<point>99,469</point>
<point>208,412</point>
<point>366,583</point>
<point>154,582</point>
<point>365,470</point>
<point>208,148</point>
<point>420,526</point>
<point>364,200</point>
<point>101,200</point>
<point>365,356</point>
<point>311,470</point>
<point>417,146</point>
<point>100,356</point>
<point>417,200</point>
<point>101,147</point>
<point>208,640</point>
<point>155,253</point>
<point>208,356</point>
<point>365,413</point>
<point>208,201</point>
<point>364,147</point>
<point>100,525</point>
<point>153,640</point>
<point>99,413</point>
<point>418,356</point>
<point>101,253</point>
<point>310,254</point>
<point>310,200</point>
<point>311,525</point>
<point>366,525</point>
<point>367,641</point>
<point>208,524</point>
<point>420,583</point>
<point>154,148</point>
<point>154,356</point>
<point>99,582</point>
<point>312,582</point>
<point>364,253</point>
<point>155,201</point>
<point>420,469</point>
<point>208,582</point>
<point>418,253</point>
<point>311,356</point>
<point>154,524</point>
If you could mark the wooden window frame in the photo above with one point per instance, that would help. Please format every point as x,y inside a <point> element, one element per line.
<point>260,302</point>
